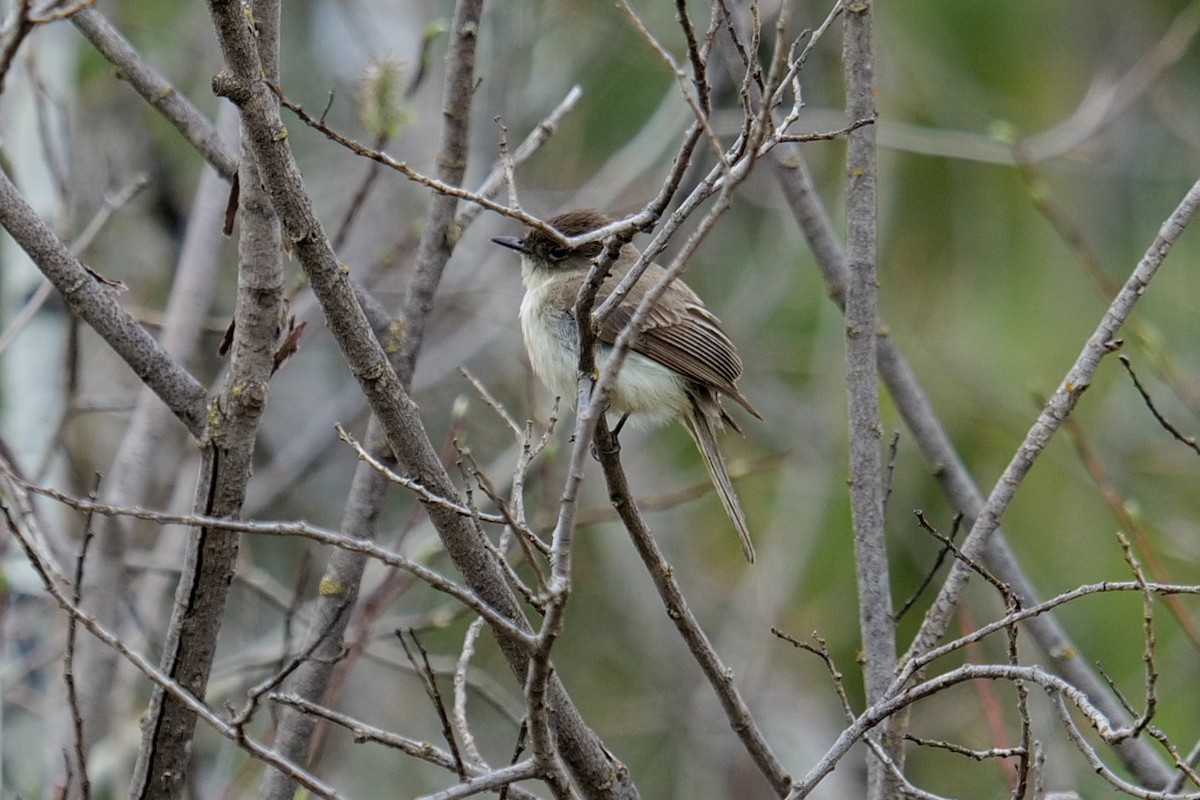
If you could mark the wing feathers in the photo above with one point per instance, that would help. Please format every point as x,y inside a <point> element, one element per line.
<point>688,339</point>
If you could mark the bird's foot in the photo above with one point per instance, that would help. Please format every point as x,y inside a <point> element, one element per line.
<point>614,443</point>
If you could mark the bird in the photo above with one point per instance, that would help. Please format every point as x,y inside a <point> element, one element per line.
<point>680,364</point>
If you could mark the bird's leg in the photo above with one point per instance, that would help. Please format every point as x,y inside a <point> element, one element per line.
<point>614,445</point>
<point>617,429</point>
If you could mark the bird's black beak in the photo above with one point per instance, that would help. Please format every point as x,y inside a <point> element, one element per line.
<point>513,243</point>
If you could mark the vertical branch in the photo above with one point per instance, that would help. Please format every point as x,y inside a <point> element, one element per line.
<point>866,459</point>
<point>440,233</point>
<point>343,574</point>
<point>915,407</point>
<point>79,749</point>
<point>169,726</point>
<point>150,444</point>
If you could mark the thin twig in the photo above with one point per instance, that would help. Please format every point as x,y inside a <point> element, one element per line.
<point>256,693</point>
<point>367,733</point>
<point>1060,404</point>
<point>412,485</point>
<point>507,164</point>
<point>459,706</point>
<point>327,537</point>
<point>156,676</point>
<point>823,136</point>
<point>948,543</point>
<point>1148,639</point>
<point>977,755</point>
<point>1190,441</point>
<point>929,575</point>
<point>80,744</point>
<point>524,534</point>
<point>492,402</point>
<point>821,650</point>
<point>697,104</point>
<point>429,683</point>
<point>496,178</point>
<point>1121,508</point>
<point>403,168</point>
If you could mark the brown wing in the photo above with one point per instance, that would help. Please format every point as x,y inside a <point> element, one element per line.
<point>688,340</point>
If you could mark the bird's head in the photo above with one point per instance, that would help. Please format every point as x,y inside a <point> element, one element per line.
<point>540,253</point>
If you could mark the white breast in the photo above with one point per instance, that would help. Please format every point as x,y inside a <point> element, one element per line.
<point>645,388</point>
<point>550,344</point>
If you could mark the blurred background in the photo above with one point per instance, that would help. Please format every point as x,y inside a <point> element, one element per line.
<point>992,276</point>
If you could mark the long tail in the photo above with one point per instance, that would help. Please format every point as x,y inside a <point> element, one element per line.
<point>700,426</point>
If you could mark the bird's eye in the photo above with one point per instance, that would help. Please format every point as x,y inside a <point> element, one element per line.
<point>556,253</point>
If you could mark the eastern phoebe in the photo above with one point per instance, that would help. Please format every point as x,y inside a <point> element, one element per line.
<point>681,361</point>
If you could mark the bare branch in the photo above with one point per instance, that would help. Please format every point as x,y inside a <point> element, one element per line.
<point>718,674</point>
<point>412,747</point>
<point>875,618</point>
<point>1060,693</point>
<point>156,90</point>
<point>1101,342</point>
<point>495,180</point>
<point>168,728</point>
<point>1189,441</point>
<point>157,677</point>
<point>425,494</point>
<point>938,451</point>
<point>331,538</point>
<point>96,304</point>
